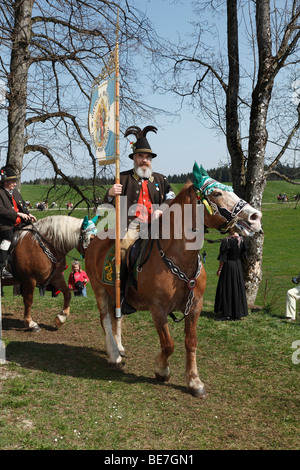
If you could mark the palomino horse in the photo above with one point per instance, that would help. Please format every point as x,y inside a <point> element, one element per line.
<point>172,278</point>
<point>39,258</point>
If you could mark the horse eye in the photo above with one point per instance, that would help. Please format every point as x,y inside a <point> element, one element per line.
<point>216,193</point>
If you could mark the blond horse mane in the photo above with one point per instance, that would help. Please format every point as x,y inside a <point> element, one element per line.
<point>62,231</point>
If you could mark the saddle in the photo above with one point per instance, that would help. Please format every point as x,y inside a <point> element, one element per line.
<point>135,260</point>
<point>137,257</point>
<point>17,232</point>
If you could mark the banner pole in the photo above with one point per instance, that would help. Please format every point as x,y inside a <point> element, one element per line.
<point>117,180</point>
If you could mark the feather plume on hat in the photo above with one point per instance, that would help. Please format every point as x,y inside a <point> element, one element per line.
<point>141,145</point>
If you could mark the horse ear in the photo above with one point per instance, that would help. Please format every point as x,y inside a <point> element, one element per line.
<point>85,222</point>
<point>204,172</point>
<point>198,175</point>
<point>94,219</point>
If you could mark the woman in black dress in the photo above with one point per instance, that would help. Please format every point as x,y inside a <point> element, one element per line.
<point>231,294</point>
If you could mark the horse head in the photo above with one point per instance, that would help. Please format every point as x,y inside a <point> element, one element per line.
<point>88,230</point>
<point>224,208</point>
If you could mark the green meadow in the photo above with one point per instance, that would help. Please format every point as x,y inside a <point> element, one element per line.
<point>281,224</point>
<point>57,391</point>
<point>63,194</point>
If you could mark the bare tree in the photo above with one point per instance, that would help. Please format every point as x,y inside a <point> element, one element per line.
<point>248,96</point>
<point>51,53</point>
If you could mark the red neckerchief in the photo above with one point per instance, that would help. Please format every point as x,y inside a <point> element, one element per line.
<point>18,219</point>
<point>144,205</point>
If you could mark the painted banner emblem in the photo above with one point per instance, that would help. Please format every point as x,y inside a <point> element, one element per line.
<point>102,121</point>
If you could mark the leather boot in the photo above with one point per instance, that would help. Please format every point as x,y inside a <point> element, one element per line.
<point>126,309</point>
<point>5,274</point>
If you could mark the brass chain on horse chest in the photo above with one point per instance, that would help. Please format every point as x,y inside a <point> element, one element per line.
<point>191,283</point>
<point>46,249</point>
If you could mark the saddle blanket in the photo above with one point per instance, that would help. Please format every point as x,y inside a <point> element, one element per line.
<point>108,267</point>
<point>108,272</point>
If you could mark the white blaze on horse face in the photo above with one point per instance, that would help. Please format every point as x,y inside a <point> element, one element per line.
<point>250,217</point>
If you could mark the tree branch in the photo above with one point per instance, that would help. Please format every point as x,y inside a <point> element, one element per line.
<point>285,146</point>
<point>45,151</point>
<point>284,177</point>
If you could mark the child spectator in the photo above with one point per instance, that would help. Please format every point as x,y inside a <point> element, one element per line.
<point>78,280</point>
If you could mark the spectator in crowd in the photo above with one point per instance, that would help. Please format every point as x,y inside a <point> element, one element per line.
<point>231,298</point>
<point>291,299</point>
<point>78,280</point>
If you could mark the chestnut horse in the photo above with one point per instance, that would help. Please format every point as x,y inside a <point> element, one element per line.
<point>172,278</point>
<point>39,258</point>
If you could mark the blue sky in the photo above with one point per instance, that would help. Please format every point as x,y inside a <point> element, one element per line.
<point>178,143</point>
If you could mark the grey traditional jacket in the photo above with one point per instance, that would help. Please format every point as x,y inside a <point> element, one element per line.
<point>159,189</point>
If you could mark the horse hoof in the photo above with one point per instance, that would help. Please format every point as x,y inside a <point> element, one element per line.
<point>198,392</point>
<point>59,320</point>
<point>32,326</point>
<point>35,329</point>
<point>118,366</point>
<point>162,378</point>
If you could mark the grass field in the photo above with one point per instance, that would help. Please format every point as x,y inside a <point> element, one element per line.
<point>37,193</point>
<point>58,392</point>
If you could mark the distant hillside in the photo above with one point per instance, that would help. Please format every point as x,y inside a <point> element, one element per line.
<point>222,174</point>
<point>62,195</point>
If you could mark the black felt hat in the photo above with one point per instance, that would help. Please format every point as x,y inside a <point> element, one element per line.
<point>141,145</point>
<point>8,174</point>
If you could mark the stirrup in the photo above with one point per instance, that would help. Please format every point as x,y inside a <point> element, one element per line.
<point>126,309</point>
<point>5,274</point>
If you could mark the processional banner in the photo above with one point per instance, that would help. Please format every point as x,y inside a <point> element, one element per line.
<point>102,121</point>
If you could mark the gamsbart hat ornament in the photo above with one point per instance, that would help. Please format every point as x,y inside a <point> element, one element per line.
<point>8,174</point>
<point>141,145</point>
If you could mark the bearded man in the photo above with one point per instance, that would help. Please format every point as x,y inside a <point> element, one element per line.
<point>143,189</point>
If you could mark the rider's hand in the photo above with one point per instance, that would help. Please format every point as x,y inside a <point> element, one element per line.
<point>115,190</point>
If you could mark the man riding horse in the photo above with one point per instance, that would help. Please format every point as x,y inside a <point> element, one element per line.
<point>143,188</point>
<point>13,211</point>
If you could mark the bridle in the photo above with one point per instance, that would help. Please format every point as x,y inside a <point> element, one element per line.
<point>213,208</point>
<point>84,239</point>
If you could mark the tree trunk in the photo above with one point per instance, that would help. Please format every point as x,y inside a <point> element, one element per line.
<point>232,120</point>
<point>258,136</point>
<point>17,83</point>
<point>250,183</point>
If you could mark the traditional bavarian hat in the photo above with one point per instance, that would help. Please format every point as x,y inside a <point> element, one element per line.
<point>8,174</point>
<point>141,145</point>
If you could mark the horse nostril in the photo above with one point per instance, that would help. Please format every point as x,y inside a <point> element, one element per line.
<point>255,216</point>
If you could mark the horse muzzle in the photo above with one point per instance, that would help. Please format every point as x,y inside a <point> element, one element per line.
<point>250,222</point>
